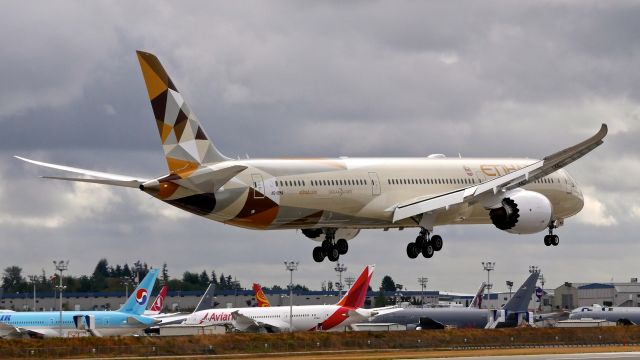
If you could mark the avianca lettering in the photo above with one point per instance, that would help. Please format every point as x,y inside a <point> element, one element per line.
<point>215,317</point>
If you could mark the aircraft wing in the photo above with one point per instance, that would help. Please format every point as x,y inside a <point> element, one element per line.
<point>518,178</point>
<point>97,176</point>
<point>245,323</point>
<point>8,330</point>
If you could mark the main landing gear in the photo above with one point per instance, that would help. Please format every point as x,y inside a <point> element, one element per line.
<point>330,248</point>
<point>425,244</point>
<point>551,239</point>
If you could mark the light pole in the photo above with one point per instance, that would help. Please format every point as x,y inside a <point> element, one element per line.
<point>61,266</point>
<point>510,286</point>
<point>340,268</point>
<point>126,281</point>
<point>488,267</point>
<point>291,266</point>
<point>34,279</point>
<point>423,284</point>
<point>541,279</point>
<point>349,280</point>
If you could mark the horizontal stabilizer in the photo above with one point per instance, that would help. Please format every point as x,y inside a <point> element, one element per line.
<point>102,177</point>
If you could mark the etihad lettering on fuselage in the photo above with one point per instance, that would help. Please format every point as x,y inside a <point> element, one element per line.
<point>216,317</point>
<point>499,169</point>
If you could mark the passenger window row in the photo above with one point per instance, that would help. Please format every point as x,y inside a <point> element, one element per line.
<point>430,181</point>
<point>348,182</point>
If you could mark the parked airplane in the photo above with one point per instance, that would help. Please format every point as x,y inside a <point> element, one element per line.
<point>260,297</point>
<point>158,304</point>
<point>618,314</point>
<point>126,320</point>
<point>473,317</point>
<point>305,317</point>
<point>331,200</point>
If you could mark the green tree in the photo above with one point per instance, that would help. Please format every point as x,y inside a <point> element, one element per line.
<point>12,279</point>
<point>380,299</point>
<point>102,268</point>
<point>388,284</point>
<point>204,278</point>
<point>191,278</point>
<point>126,271</point>
<point>165,273</point>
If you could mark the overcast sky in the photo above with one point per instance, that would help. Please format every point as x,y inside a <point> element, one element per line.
<point>284,79</point>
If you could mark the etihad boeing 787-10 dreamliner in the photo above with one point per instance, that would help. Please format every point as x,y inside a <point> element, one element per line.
<point>331,200</point>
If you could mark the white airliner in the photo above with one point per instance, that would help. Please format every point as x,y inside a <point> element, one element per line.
<point>304,318</point>
<point>331,200</point>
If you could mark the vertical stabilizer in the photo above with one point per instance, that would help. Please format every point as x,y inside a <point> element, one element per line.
<point>186,146</point>
<point>354,298</point>
<point>139,298</point>
<point>476,303</point>
<point>519,303</point>
<point>207,301</point>
<point>158,304</point>
<point>260,297</point>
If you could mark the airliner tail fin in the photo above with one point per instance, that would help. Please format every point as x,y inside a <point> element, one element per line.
<point>186,145</point>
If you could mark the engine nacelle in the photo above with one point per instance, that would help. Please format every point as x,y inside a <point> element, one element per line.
<point>522,212</point>
<point>319,235</point>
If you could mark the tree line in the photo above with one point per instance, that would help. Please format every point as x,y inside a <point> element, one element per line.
<point>106,278</point>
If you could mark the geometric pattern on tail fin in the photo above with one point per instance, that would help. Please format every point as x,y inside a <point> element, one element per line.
<point>186,145</point>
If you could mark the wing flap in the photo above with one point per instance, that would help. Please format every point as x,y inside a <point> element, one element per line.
<point>521,177</point>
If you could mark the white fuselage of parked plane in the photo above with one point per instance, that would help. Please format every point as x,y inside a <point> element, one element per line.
<point>305,317</point>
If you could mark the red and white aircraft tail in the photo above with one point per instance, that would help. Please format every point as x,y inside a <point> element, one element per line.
<point>158,304</point>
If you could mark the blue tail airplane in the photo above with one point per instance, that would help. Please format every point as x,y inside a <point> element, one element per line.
<point>126,320</point>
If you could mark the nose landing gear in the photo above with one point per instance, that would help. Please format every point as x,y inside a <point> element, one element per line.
<point>424,244</point>
<point>551,239</point>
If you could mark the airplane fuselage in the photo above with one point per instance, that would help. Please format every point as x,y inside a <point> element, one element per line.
<point>305,317</point>
<point>47,323</point>
<point>355,193</point>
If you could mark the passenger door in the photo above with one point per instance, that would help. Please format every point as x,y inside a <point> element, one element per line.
<point>258,186</point>
<point>375,184</point>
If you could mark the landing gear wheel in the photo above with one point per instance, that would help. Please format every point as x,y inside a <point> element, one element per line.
<point>412,250</point>
<point>326,246</point>
<point>342,246</point>
<point>420,239</point>
<point>547,240</point>
<point>554,240</point>
<point>333,254</point>
<point>437,242</point>
<point>318,254</point>
<point>427,250</point>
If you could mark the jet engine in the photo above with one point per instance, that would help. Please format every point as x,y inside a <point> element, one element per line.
<point>319,235</point>
<point>522,212</point>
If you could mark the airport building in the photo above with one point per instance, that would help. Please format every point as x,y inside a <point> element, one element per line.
<point>573,295</point>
